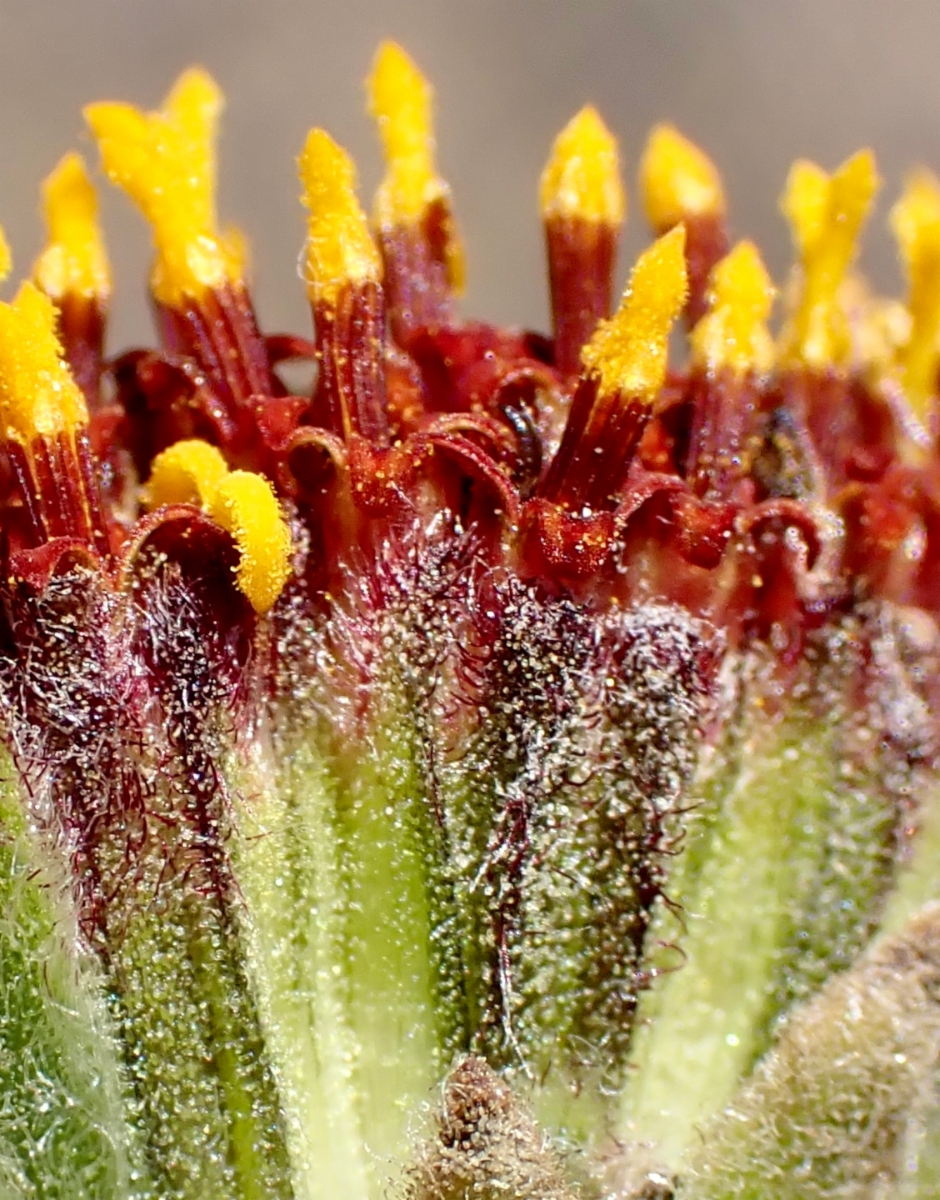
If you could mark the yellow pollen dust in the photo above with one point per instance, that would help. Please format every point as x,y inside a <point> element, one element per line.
<point>340,249</point>
<point>678,180</point>
<point>915,220</point>
<point>6,258</point>
<point>74,262</point>
<point>38,396</point>
<point>241,502</point>
<point>400,100</point>
<point>165,162</point>
<point>582,176</point>
<point>629,352</point>
<point>733,334</point>
<point>826,215</point>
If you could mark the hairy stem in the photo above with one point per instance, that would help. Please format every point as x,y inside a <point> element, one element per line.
<point>64,1130</point>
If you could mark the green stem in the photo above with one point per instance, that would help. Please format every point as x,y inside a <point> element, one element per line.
<point>63,1128</point>
<point>921,1156</point>
<point>392,968</point>
<point>338,859</point>
<point>919,878</point>
<point>830,1111</point>
<point>286,861</point>
<point>194,1049</point>
<point>781,888</point>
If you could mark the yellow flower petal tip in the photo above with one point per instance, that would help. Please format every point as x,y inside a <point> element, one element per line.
<point>241,502</point>
<point>340,250</point>
<point>38,396</point>
<point>6,258</point>
<point>733,334</point>
<point>165,162</point>
<point>915,221</point>
<point>678,180</point>
<point>582,176</point>
<point>826,215</point>
<point>628,353</point>
<point>74,262</point>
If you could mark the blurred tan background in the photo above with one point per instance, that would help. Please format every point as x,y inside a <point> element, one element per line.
<point>756,82</point>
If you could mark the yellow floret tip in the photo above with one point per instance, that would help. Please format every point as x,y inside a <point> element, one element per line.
<point>678,180</point>
<point>188,472</point>
<point>733,334</point>
<point>241,502</point>
<point>915,220</point>
<point>245,505</point>
<point>826,215</point>
<point>165,161</point>
<point>400,100</point>
<point>74,262</point>
<point>38,396</point>
<point>6,258</point>
<point>881,329</point>
<point>628,353</point>
<point>340,250</point>
<point>582,176</point>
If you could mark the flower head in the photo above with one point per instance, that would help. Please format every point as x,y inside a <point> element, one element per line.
<point>547,722</point>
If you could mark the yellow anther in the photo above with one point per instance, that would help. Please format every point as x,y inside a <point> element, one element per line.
<point>38,396</point>
<point>74,262</point>
<point>245,505</point>
<point>165,161</point>
<point>582,175</point>
<point>915,220</point>
<point>340,249</point>
<point>826,215</point>
<point>188,472</point>
<point>628,353</point>
<point>400,100</point>
<point>733,333</point>
<point>6,258</point>
<point>242,503</point>
<point>678,180</point>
